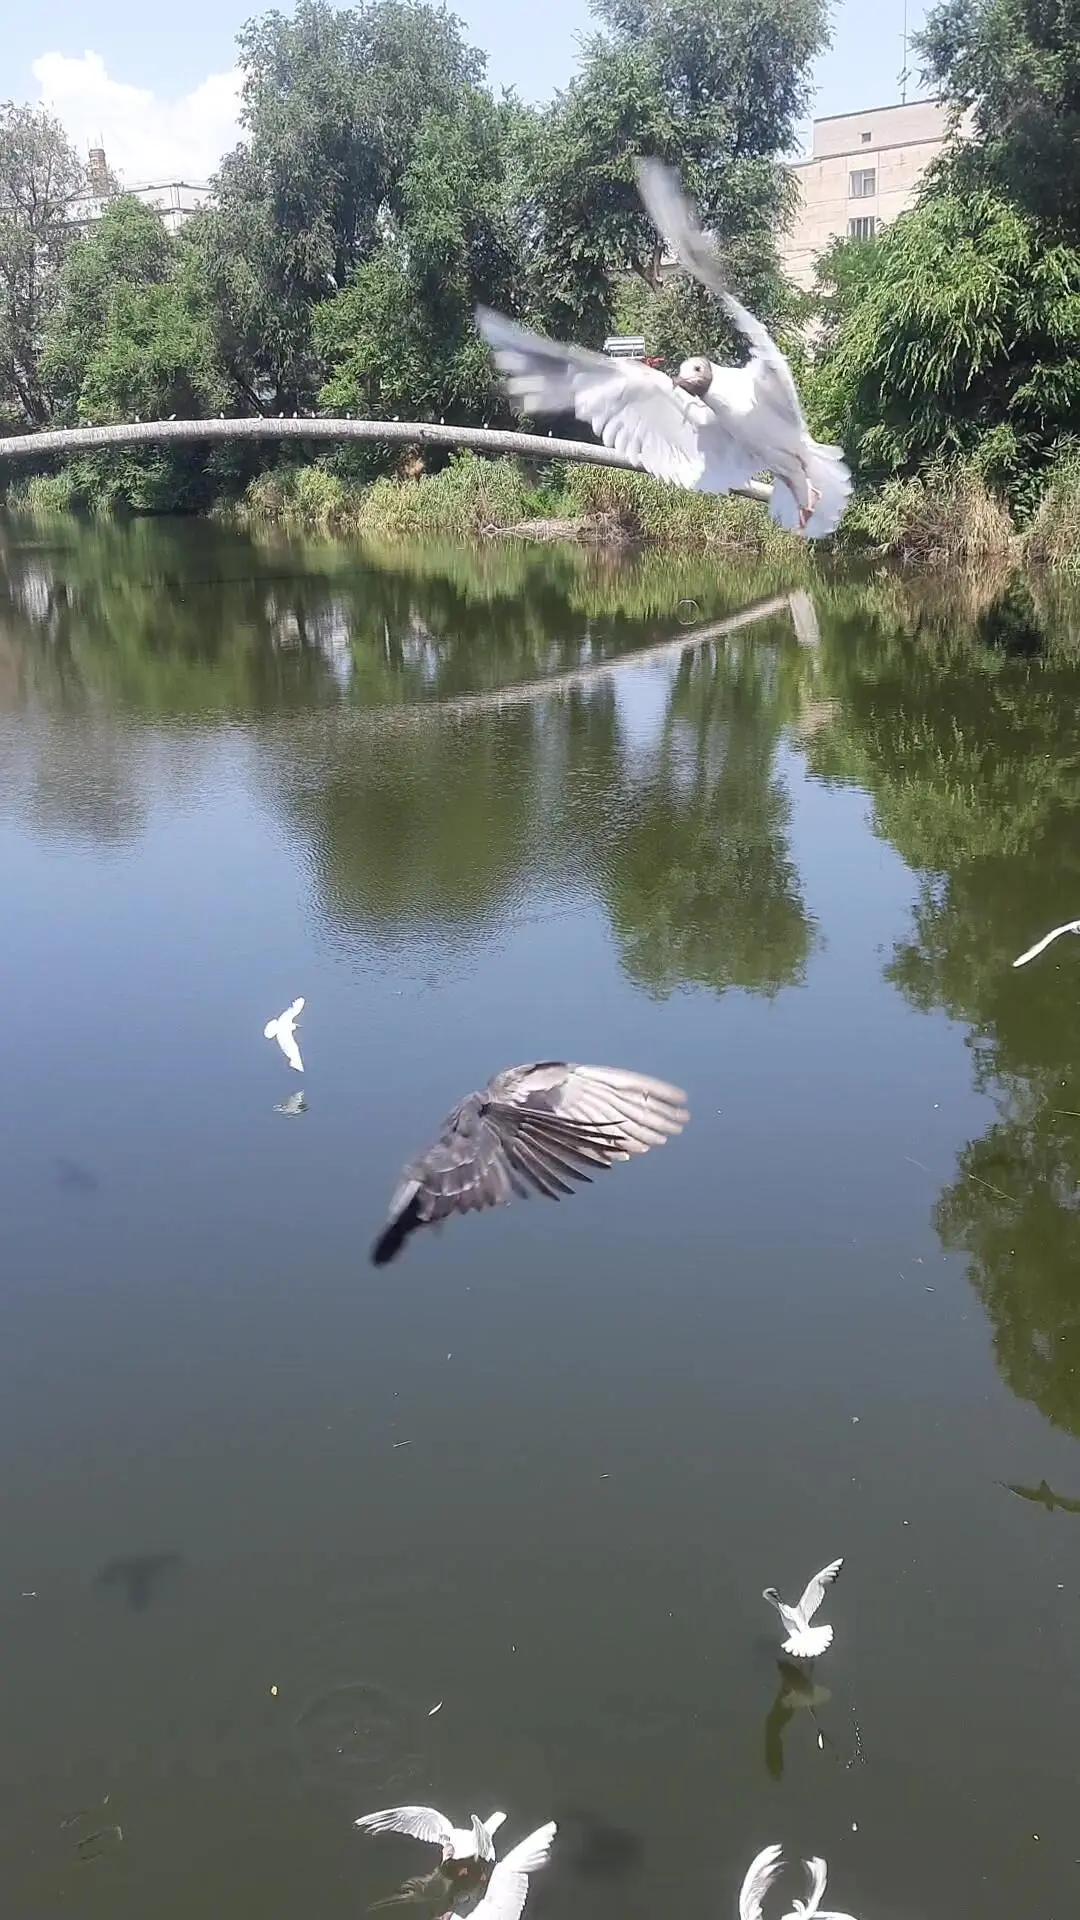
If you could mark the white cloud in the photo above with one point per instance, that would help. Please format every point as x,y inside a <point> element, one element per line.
<point>146,138</point>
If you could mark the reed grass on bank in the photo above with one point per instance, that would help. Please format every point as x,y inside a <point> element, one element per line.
<point>944,518</point>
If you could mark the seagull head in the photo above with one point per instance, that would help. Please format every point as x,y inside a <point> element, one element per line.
<point>695,376</point>
<point>770,1594</point>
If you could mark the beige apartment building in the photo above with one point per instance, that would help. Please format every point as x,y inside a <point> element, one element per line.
<point>863,169</point>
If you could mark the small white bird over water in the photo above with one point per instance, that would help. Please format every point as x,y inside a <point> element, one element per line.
<point>283,1030</point>
<point>805,1641</point>
<point>427,1823</point>
<point>710,428</point>
<point>812,1909</point>
<point>760,1875</point>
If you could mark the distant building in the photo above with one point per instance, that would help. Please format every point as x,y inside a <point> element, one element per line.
<point>175,200</point>
<point>863,170</point>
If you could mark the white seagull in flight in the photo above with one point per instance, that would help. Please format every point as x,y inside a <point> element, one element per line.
<point>709,429</point>
<point>805,1641</point>
<point>283,1030</point>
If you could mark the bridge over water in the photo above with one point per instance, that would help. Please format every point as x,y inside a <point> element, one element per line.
<point>149,433</point>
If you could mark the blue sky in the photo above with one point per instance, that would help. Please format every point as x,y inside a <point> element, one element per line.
<point>157,84</point>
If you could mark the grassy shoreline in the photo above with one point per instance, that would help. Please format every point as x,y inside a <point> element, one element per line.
<point>945,518</point>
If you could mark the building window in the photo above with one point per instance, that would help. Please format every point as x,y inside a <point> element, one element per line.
<point>862,184</point>
<point>866,139</point>
<point>863,228</point>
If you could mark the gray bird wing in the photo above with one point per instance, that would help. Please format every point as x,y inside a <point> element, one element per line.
<point>633,409</point>
<point>759,1878</point>
<point>420,1823</point>
<point>815,1592</point>
<point>675,221</point>
<point>509,1884</point>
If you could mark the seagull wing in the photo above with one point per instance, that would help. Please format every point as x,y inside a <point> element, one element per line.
<point>420,1823</point>
<point>815,1592</point>
<point>634,409</point>
<point>287,1041</point>
<point>482,1842</point>
<point>817,1873</point>
<point>509,1884</point>
<point>760,1876</point>
<point>675,221</point>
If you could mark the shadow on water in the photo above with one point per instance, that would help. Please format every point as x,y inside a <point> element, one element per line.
<point>139,1578</point>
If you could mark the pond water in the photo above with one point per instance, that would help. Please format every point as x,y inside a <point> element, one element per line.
<point>263,1506</point>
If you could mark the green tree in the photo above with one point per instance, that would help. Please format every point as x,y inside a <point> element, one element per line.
<point>40,176</point>
<point>332,100</point>
<point>1015,65</point>
<point>714,86</point>
<point>400,338</point>
<point>964,340</point>
<point>130,339</point>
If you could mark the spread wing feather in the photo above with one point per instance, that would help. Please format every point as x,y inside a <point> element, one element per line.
<point>633,409</point>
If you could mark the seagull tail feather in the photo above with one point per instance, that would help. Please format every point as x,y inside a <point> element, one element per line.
<point>830,477</point>
<point>808,1642</point>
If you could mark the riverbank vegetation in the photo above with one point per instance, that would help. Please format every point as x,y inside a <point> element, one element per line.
<point>382,188</point>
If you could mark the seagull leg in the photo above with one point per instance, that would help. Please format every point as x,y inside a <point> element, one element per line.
<point>813,496</point>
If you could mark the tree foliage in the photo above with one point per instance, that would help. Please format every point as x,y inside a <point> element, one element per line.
<point>963,340</point>
<point>400,337</point>
<point>331,104</point>
<point>1015,66</point>
<point>715,87</point>
<point>130,339</point>
<point>40,176</point>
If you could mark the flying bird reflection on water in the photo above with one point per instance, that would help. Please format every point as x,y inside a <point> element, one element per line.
<point>1069,926</point>
<point>797,1692</point>
<point>805,1641</point>
<point>709,429</point>
<point>812,1909</point>
<point>804,618</point>
<point>1044,1496</point>
<point>760,1875</point>
<point>138,1576</point>
<point>292,1106</point>
<point>532,1128</point>
<point>283,1030</point>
